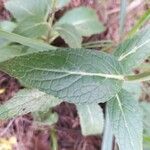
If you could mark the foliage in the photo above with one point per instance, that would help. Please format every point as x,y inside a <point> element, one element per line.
<point>77,75</point>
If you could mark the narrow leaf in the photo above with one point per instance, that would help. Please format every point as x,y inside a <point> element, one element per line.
<point>84,20</point>
<point>91,119</point>
<point>126,120</point>
<point>143,19</point>
<point>70,35</point>
<point>36,44</point>
<point>75,75</point>
<point>26,101</point>
<point>134,51</point>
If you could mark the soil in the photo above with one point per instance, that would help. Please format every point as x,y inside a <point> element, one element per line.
<point>31,137</point>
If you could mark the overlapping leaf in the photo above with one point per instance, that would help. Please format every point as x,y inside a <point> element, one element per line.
<point>26,101</point>
<point>84,20</point>
<point>6,26</point>
<point>133,51</point>
<point>32,43</point>
<point>126,121</point>
<point>91,119</point>
<point>74,75</point>
<point>32,27</point>
<point>70,35</point>
<point>22,9</point>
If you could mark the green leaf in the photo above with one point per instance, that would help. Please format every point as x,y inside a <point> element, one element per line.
<point>6,26</point>
<point>84,19</point>
<point>91,119</point>
<point>143,19</point>
<point>33,43</point>
<point>133,88</point>
<point>74,75</point>
<point>26,101</point>
<point>126,120</point>
<point>12,51</point>
<point>22,9</point>
<point>70,35</point>
<point>133,51</point>
<point>32,27</point>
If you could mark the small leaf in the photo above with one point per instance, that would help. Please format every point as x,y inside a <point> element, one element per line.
<point>126,120</point>
<point>70,35</point>
<point>26,101</point>
<point>22,9</point>
<point>84,20</point>
<point>91,119</point>
<point>74,75</point>
<point>32,27</point>
<point>134,51</point>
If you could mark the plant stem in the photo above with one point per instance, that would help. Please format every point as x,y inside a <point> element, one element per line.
<point>54,140</point>
<point>139,77</point>
<point>107,143</point>
<point>51,19</point>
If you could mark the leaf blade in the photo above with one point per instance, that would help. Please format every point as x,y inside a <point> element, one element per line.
<point>84,19</point>
<point>134,51</point>
<point>22,9</point>
<point>91,119</point>
<point>35,44</point>
<point>69,71</point>
<point>126,120</point>
<point>70,35</point>
<point>26,101</point>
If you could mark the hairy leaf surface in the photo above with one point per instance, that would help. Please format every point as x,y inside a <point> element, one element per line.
<point>74,75</point>
<point>26,101</point>
<point>126,121</point>
<point>133,51</point>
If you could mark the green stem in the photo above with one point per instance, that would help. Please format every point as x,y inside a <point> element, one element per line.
<point>54,144</point>
<point>51,19</point>
<point>139,77</point>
